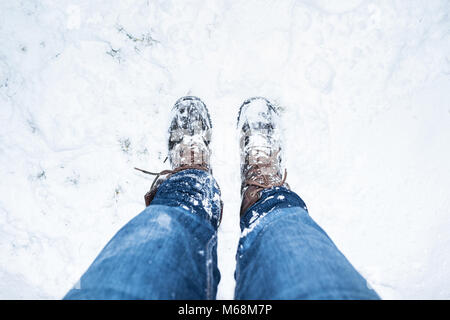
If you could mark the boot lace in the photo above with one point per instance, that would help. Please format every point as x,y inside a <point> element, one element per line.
<point>256,177</point>
<point>169,171</point>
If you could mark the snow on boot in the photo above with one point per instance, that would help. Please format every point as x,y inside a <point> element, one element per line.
<point>260,145</point>
<point>190,134</point>
<point>189,138</point>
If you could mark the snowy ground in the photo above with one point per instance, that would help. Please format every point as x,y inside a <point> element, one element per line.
<point>85,93</point>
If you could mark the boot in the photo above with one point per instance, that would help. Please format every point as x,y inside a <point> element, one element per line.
<point>189,139</point>
<point>260,145</point>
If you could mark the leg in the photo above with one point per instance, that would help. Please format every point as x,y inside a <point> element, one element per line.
<point>169,250</point>
<point>166,252</point>
<point>284,254</point>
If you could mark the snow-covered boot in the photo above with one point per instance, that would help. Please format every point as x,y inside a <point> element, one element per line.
<point>190,134</point>
<point>189,138</point>
<point>260,145</point>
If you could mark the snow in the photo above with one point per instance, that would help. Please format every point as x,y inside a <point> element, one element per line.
<point>253,223</point>
<point>86,89</point>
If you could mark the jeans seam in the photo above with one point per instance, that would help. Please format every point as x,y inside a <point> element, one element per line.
<point>240,244</point>
<point>209,267</point>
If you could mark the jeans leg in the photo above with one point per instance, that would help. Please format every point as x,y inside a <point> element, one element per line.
<point>168,251</point>
<point>284,254</point>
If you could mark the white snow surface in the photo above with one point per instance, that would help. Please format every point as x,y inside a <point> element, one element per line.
<point>86,89</point>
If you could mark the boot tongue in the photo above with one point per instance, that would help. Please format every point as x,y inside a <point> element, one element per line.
<point>190,151</point>
<point>259,156</point>
<point>262,166</point>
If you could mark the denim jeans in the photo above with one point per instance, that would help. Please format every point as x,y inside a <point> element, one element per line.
<point>169,251</point>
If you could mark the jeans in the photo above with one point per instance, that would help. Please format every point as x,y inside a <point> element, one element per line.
<point>169,251</point>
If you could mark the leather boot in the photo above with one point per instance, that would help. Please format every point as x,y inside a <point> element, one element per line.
<point>260,146</point>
